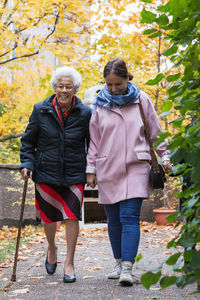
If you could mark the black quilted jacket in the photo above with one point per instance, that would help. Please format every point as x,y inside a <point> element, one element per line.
<point>55,154</point>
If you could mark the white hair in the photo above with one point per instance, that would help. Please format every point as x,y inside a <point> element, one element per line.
<point>68,72</point>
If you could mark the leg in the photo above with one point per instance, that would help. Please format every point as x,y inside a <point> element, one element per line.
<point>50,232</point>
<point>72,231</point>
<point>114,228</point>
<point>114,232</point>
<point>130,217</point>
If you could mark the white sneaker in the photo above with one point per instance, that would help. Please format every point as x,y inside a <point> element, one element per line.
<point>126,277</point>
<point>115,274</point>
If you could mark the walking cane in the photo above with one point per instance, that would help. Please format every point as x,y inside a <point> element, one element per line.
<point>13,277</point>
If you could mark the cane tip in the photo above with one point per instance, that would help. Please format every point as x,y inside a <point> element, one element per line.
<point>13,277</point>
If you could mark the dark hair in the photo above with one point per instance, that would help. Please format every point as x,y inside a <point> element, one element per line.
<point>118,67</point>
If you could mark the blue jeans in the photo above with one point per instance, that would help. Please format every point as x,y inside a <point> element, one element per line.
<point>124,228</point>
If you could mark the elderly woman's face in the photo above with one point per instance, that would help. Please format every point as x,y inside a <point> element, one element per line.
<point>64,90</point>
<point>116,85</point>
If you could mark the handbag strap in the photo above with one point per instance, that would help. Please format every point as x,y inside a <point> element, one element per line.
<point>154,160</point>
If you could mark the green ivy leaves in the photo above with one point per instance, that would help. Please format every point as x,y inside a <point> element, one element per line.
<point>179,22</point>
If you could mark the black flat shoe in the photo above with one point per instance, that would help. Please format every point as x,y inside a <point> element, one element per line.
<point>69,279</point>
<point>50,268</point>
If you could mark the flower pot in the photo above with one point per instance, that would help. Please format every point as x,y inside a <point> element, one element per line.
<point>161,214</point>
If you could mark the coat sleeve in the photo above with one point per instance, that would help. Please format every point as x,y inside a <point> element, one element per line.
<point>94,143</point>
<point>155,127</point>
<point>29,142</point>
<point>87,137</point>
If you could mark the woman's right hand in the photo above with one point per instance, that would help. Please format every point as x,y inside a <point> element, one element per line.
<point>91,180</point>
<point>26,174</point>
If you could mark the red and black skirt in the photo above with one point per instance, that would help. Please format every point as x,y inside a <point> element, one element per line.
<point>57,203</point>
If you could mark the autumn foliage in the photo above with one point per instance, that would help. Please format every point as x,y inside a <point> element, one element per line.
<point>83,35</point>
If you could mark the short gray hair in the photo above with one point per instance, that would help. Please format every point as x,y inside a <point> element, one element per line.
<point>68,72</point>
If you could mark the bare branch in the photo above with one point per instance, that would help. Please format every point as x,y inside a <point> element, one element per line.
<point>52,31</point>
<point>19,57</point>
<point>11,136</point>
<point>5,53</point>
<point>4,6</point>
<point>36,52</point>
<point>5,3</point>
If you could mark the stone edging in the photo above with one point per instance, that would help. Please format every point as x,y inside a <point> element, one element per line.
<point>10,167</point>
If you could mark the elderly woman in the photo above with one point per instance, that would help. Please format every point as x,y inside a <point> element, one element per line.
<point>53,154</point>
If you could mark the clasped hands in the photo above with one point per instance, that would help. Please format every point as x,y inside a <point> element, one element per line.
<point>91,180</point>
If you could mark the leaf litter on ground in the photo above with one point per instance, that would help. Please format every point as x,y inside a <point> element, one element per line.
<point>31,235</point>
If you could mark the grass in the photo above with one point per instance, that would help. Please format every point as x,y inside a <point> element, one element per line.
<point>7,249</point>
<point>8,241</point>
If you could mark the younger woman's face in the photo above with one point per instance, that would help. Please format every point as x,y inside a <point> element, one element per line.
<point>116,85</point>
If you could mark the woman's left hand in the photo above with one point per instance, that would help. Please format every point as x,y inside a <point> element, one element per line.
<point>167,166</point>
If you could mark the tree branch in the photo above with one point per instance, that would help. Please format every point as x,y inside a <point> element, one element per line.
<point>36,52</point>
<point>9,137</point>
<point>5,53</point>
<point>19,57</point>
<point>53,30</point>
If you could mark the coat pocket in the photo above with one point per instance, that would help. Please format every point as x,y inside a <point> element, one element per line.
<point>102,168</point>
<point>143,156</point>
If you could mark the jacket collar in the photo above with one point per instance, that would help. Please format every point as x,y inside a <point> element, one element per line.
<point>48,103</point>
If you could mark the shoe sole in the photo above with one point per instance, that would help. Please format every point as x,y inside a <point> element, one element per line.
<point>112,277</point>
<point>69,281</point>
<point>126,283</point>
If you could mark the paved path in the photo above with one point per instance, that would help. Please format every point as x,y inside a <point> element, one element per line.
<point>93,262</point>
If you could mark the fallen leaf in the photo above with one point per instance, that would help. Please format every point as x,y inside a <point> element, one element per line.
<point>168,253</point>
<point>79,292</point>
<point>16,298</point>
<point>32,277</point>
<point>21,291</point>
<point>5,279</point>
<point>22,258</point>
<point>38,265</point>
<point>94,268</point>
<point>79,243</point>
<point>137,281</point>
<point>4,265</point>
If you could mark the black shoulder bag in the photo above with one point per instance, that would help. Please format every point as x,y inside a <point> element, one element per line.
<point>157,174</point>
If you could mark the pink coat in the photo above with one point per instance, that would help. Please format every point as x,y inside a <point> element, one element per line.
<point>119,152</point>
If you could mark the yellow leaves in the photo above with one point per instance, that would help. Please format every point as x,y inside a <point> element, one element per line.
<point>133,19</point>
<point>20,20</point>
<point>20,96</point>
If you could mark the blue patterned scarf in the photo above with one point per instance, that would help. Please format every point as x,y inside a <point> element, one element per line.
<point>107,100</point>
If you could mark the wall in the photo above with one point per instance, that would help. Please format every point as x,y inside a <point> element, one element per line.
<point>11,187</point>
